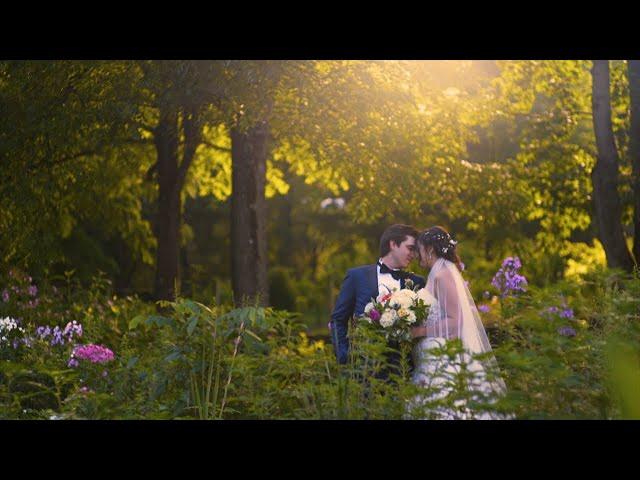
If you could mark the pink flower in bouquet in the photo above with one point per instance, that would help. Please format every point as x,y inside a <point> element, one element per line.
<point>384,298</point>
<point>374,315</point>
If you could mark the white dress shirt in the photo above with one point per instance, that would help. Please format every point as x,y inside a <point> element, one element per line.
<point>386,283</point>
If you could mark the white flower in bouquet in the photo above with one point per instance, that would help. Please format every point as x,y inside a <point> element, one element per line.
<point>388,318</point>
<point>407,315</point>
<point>403,298</point>
<point>425,296</point>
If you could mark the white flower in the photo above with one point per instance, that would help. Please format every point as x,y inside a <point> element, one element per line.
<point>368,307</point>
<point>426,297</point>
<point>408,315</point>
<point>388,318</point>
<point>403,298</point>
<point>8,324</point>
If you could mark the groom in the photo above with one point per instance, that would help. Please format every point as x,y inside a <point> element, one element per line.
<point>397,249</point>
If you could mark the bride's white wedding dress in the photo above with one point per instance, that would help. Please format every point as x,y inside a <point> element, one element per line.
<point>454,315</point>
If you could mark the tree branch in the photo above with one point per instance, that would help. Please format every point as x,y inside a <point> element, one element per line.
<point>215,147</point>
<point>61,160</point>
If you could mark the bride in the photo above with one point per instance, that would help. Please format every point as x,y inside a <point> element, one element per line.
<point>453,316</point>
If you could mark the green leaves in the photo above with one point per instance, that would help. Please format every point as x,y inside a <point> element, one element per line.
<point>624,363</point>
<point>135,321</point>
<point>159,321</point>
<point>192,325</point>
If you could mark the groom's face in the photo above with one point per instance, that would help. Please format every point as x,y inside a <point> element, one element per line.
<point>404,253</point>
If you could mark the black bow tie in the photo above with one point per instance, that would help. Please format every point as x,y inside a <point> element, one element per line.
<point>397,274</point>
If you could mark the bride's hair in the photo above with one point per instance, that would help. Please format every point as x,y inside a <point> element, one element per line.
<point>443,245</point>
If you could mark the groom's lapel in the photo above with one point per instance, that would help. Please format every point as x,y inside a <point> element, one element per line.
<point>418,280</point>
<point>372,279</point>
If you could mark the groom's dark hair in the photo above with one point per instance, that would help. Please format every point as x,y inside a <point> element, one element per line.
<point>397,234</point>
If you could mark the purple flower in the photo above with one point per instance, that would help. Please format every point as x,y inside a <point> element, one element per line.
<point>5,295</point>
<point>374,315</point>
<point>43,332</point>
<point>93,353</point>
<point>71,329</point>
<point>33,290</point>
<point>57,337</point>
<point>73,363</point>
<point>563,312</point>
<point>567,313</point>
<point>553,310</point>
<point>511,263</point>
<point>567,331</point>
<point>507,279</point>
<point>484,308</point>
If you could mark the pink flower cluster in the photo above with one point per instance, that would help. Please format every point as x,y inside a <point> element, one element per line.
<point>93,353</point>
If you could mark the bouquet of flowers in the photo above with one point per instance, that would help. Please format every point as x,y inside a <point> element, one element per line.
<point>399,310</point>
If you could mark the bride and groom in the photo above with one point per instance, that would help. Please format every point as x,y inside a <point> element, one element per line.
<point>453,315</point>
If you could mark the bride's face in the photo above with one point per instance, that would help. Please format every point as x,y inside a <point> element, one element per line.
<point>426,254</point>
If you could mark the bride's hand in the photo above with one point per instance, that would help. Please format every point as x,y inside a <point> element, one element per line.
<point>417,332</point>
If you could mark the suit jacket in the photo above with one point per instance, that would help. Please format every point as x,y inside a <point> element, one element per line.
<point>358,288</point>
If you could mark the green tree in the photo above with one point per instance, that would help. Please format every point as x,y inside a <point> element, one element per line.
<point>70,162</point>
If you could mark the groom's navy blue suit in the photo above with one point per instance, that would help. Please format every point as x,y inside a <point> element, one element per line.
<point>359,287</point>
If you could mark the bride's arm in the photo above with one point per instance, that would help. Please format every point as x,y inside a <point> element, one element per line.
<point>417,332</point>
<point>449,322</point>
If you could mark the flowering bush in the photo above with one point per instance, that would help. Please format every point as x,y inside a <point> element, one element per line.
<point>11,335</point>
<point>89,360</point>
<point>9,330</point>
<point>507,279</point>
<point>58,336</point>
<point>563,314</point>
<point>92,353</point>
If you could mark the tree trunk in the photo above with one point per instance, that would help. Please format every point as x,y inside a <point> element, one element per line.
<point>634,150</point>
<point>248,215</point>
<point>186,285</point>
<point>605,173</point>
<point>171,177</point>
<point>168,219</point>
